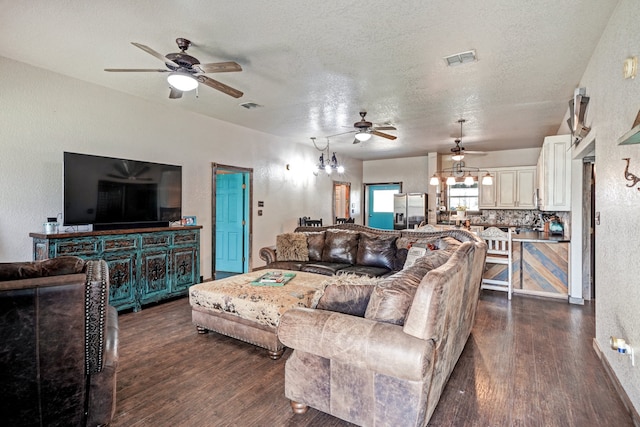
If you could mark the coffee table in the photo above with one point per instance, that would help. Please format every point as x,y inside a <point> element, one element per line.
<point>234,307</point>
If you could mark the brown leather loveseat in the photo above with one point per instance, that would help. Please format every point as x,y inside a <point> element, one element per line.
<point>58,343</point>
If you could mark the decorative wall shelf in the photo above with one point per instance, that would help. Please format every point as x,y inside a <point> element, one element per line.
<point>633,136</point>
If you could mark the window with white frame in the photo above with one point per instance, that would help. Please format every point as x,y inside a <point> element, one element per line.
<point>461,195</point>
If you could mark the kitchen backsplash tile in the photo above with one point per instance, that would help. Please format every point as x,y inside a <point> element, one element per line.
<point>517,218</point>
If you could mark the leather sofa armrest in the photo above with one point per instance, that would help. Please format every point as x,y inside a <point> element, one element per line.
<point>102,385</point>
<point>380,347</point>
<point>268,254</point>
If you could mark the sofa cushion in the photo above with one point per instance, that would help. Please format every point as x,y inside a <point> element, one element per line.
<point>292,247</point>
<point>365,270</point>
<point>348,294</point>
<point>377,250</point>
<point>325,268</point>
<point>315,244</point>
<point>48,267</point>
<point>340,246</point>
<point>392,297</point>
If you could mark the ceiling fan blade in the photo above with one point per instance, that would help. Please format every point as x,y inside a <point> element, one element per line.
<point>218,67</point>
<point>219,86</point>
<point>385,128</point>
<point>175,93</point>
<point>156,54</point>
<point>384,135</point>
<point>478,153</point>
<point>135,70</point>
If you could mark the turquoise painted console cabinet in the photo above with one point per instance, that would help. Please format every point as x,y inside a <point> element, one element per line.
<point>145,265</point>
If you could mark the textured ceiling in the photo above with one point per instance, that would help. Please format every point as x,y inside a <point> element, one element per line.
<point>313,65</point>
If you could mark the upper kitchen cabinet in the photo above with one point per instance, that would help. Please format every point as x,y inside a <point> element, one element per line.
<point>554,174</point>
<point>513,188</point>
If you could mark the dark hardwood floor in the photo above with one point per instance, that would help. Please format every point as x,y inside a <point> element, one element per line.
<point>528,362</point>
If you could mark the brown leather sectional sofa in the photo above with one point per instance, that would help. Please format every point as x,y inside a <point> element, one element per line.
<point>352,248</point>
<point>380,354</point>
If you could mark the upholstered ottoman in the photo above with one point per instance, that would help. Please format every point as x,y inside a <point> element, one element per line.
<point>236,308</point>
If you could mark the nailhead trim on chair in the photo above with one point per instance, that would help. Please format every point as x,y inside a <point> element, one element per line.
<point>95,319</point>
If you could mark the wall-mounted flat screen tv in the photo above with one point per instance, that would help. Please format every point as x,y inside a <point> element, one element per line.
<point>112,193</point>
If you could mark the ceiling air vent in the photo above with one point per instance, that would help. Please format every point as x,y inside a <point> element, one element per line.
<point>461,58</point>
<point>250,105</point>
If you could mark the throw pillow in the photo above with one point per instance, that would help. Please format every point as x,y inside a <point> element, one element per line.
<point>315,243</point>
<point>340,246</point>
<point>392,297</point>
<point>292,247</point>
<point>377,250</point>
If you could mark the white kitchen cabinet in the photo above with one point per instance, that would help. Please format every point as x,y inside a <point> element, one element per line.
<point>513,188</point>
<point>526,190</point>
<point>507,189</point>
<point>487,193</point>
<point>554,174</point>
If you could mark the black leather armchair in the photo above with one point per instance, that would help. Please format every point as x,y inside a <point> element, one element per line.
<point>58,343</point>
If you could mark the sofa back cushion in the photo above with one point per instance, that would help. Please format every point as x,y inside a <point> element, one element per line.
<point>340,246</point>
<point>377,250</point>
<point>48,267</point>
<point>393,296</point>
<point>292,247</point>
<point>315,244</point>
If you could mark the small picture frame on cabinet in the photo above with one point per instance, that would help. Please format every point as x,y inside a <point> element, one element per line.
<point>189,220</point>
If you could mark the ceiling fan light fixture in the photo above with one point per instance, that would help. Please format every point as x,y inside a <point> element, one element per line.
<point>182,81</point>
<point>457,157</point>
<point>363,136</point>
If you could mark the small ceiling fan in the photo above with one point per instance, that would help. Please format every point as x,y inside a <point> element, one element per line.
<point>458,151</point>
<point>185,71</point>
<point>365,129</point>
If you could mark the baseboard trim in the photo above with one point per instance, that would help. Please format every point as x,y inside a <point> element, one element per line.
<point>635,417</point>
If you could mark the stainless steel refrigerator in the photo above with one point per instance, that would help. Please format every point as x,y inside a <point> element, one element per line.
<point>409,210</point>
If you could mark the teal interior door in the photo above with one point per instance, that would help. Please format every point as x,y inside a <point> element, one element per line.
<point>380,205</point>
<point>230,223</point>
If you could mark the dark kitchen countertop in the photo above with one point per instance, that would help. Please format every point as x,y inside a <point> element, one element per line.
<point>539,237</point>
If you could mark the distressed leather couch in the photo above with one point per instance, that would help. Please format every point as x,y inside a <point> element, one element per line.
<point>380,355</point>
<point>58,343</point>
<point>345,249</point>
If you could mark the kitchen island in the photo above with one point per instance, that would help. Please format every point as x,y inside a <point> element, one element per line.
<point>541,264</point>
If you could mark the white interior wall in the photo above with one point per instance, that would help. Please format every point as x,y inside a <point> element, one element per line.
<point>412,172</point>
<point>43,114</point>
<point>613,106</point>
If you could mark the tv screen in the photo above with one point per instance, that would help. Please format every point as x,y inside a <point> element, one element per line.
<point>119,193</point>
